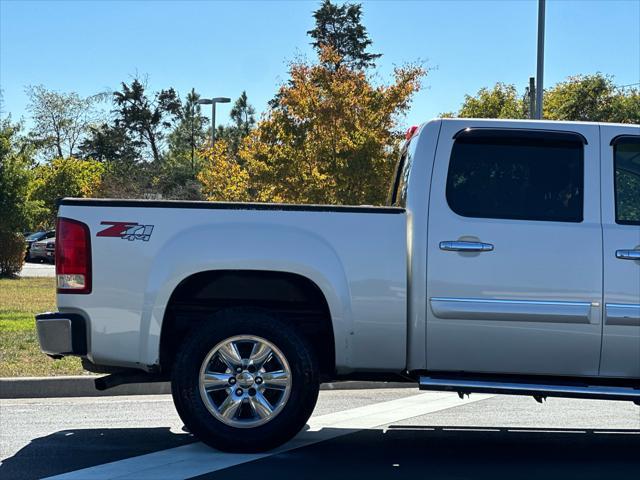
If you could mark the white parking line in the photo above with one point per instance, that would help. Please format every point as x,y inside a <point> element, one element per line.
<point>197,459</point>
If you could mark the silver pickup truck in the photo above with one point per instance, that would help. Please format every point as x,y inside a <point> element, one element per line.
<point>506,261</point>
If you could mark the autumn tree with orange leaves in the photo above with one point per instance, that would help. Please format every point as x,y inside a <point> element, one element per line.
<point>222,177</point>
<point>331,136</point>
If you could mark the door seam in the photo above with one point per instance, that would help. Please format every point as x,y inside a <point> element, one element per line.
<point>603,307</point>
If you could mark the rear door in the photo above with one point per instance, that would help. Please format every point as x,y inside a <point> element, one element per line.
<point>620,148</point>
<point>514,280</point>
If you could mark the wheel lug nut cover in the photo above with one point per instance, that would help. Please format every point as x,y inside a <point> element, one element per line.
<point>239,392</point>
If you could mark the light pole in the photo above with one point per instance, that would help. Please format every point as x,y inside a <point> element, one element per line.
<point>212,102</point>
<point>540,73</point>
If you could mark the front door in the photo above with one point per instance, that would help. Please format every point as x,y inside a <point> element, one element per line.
<point>621,234</point>
<point>514,282</point>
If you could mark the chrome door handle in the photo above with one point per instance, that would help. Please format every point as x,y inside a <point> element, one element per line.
<point>628,254</point>
<point>458,246</point>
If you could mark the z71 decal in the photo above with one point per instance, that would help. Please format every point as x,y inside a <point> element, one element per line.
<point>126,230</point>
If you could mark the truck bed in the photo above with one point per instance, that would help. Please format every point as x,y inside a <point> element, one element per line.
<point>356,255</point>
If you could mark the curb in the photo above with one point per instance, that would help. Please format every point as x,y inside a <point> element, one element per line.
<point>72,386</point>
<point>82,386</point>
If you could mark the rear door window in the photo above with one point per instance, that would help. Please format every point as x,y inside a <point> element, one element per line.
<point>519,176</point>
<point>626,158</point>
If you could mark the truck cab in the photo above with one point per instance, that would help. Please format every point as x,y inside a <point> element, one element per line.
<point>532,238</point>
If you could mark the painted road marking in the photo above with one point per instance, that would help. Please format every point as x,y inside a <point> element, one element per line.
<point>197,459</point>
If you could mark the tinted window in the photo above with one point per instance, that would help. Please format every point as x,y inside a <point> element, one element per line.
<point>627,180</point>
<point>517,177</point>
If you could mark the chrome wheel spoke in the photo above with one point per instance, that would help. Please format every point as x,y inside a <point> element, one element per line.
<point>230,406</point>
<point>260,405</point>
<point>216,381</point>
<point>230,355</point>
<point>238,391</point>
<point>278,380</point>
<point>260,354</point>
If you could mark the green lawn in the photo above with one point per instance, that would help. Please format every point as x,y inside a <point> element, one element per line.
<point>20,355</point>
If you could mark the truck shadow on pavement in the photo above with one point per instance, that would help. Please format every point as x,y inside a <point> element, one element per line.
<point>398,452</point>
<point>70,450</point>
<point>422,452</point>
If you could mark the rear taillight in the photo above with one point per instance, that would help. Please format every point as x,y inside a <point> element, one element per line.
<point>73,257</point>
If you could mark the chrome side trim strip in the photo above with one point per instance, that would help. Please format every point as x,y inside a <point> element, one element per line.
<point>512,388</point>
<point>622,314</point>
<point>510,310</point>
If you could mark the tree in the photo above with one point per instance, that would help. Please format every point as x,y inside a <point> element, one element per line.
<point>176,173</point>
<point>243,121</point>
<point>15,161</point>
<point>332,137</point>
<point>339,27</point>
<point>592,98</point>
<point>110,143</point>
<point>16,209</point>
<point>144,117</point>
<point>501,101</point>
<point>61,119</point>
<point>66,177</point>
<point>626,106</point>
<point>125,175</point>
<point>189,134</point>
<point>222,177</point>
<point>243,114</point>
<point>128,180</point>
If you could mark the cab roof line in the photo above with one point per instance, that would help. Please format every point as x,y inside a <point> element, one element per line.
<point>519,133</point>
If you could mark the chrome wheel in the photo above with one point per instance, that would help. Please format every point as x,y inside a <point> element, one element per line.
<point>245,381</point>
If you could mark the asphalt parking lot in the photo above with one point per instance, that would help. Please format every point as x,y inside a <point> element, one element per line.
<point>377,434</point>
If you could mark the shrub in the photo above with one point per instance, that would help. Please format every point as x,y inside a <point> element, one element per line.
<point>12,250</point>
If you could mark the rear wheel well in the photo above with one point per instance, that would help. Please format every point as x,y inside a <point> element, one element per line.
<point>296,300</point>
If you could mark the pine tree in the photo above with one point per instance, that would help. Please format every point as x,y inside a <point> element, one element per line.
<point>146,118</point>
<point>340,28</point>
<point>244,120</point>
<point>190,133</point>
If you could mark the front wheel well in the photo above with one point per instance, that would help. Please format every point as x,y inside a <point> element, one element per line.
<point>296,299</point>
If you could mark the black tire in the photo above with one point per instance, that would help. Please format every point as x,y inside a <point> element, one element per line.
<point>185,381</point>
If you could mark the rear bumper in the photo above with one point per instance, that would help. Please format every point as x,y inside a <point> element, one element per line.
<point>62,334</point>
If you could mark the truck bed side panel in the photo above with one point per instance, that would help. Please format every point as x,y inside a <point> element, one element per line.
<point>357,259</point>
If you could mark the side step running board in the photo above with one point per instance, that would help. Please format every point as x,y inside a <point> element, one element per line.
<point>466,386</point>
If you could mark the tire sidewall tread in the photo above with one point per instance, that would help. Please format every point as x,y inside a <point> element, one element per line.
<point>244,321</point>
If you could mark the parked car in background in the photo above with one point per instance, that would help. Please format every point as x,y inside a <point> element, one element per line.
<point>43,250</point>
<point>36,237</point>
